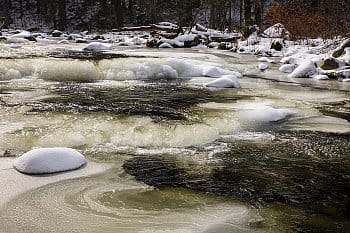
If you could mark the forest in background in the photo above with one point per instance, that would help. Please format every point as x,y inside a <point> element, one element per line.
<point>313,18</point>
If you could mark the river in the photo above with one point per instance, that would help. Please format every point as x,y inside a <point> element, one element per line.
<point>272,156</point>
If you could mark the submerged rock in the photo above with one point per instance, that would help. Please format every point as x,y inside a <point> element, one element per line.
<point>49,160</point>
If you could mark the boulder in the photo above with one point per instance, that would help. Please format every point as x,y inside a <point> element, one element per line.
<point>329,64</point>
<point>340,50</point>
<point>49,160</point>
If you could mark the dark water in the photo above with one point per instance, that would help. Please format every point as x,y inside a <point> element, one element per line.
<point>158,101</point>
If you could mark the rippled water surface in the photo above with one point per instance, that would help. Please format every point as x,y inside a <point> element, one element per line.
<point>270,157</point>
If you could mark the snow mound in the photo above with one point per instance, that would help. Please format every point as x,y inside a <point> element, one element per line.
<point>97,46</point>
<point>49,160</point>
<point>263,113</point>
<point>225,81</point>
<point>304,70</point>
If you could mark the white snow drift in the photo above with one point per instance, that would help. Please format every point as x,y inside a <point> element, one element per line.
<point>49,160</point>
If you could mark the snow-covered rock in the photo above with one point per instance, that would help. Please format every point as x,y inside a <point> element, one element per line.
<point>276,31</point>
<point>263,113</point>
<point>165,45</point>
<point>320,77</point>
<point>217,72</point>
<point>287,68</point>
<point>97,46</point>
<point>57,33</point>
<point>304,70</point>
<point>263,66</point>
<point>17,40</point>
<point>226,81</point>
<point>23,34</point>
<point>49,160</point>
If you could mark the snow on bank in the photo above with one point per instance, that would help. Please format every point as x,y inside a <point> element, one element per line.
<point>49,160</point>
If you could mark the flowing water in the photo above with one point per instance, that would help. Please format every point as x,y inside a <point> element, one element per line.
<point>270,157</point>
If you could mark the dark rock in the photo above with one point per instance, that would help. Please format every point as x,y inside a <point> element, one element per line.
<point>30,38</point>
<point>2,38</point>
<point>169,35</point>
<point>152,43</point>
<point>98,37</point>
<point>329,64</point>
<point>224,46</point>
<point>79,40</point>
<point>191,43</point>
<point>340,50</point>
<point>34,29</point>
<point>276,45</point>
<point>57,33</point>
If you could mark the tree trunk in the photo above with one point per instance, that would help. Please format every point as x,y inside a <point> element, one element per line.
<point>62,14</point>
<point>247,19</point>
<point>258,12</point>
<point>118,13</point>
